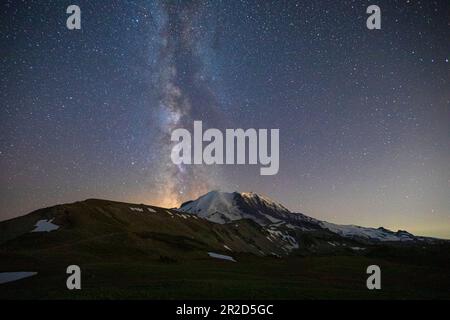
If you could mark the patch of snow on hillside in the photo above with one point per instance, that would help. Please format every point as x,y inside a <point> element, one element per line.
<point>151,210</point>
<point>227,247</point>
<point>136,209</point>
<point>6,277</point>
<point>221,256</point>
<point>291,243</point>
<point>45,226</point>
<point>270,218</point>
<point>217,217</point>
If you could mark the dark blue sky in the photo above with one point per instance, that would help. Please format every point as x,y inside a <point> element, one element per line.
<point>363,115</point>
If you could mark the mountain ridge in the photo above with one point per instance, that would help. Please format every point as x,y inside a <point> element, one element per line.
<point>219,221</point>
<point>225,207</point>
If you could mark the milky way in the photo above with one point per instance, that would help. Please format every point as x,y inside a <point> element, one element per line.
<point>184,96</point>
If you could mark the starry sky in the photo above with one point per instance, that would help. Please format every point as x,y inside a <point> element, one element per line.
<point>363,115</point>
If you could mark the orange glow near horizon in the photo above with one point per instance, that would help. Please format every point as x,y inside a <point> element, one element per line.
<point>168,199</point>
<point>167,202</point>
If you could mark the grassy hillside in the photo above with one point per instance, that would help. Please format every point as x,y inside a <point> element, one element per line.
<point>99,229</point>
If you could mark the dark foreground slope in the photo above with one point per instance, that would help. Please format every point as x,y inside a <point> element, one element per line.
<point>136,251</point>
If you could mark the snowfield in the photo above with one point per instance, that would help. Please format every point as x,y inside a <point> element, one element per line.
<point>379,234</point>
<point>221,256</point>
<point>6,277</point>
<point>290,241</point>
<point>45,226</point>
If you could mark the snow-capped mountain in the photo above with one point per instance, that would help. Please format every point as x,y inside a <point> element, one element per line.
<point>219,207</point>
<point>223,207</point>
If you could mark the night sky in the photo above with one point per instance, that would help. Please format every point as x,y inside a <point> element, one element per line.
<point>363,115</point>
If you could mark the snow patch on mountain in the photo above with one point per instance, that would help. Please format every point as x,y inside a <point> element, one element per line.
<point>380,234</point>
<point>221,256</point>
<point>45,226</point>
<point>271,219</point>
<point>290,242</point>
<point>6,277</point>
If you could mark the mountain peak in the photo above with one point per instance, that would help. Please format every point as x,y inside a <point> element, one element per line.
<point>223,207</point>
<point>260,199</point>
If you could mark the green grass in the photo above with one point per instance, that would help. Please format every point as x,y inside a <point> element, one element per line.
<point>341,277</point>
